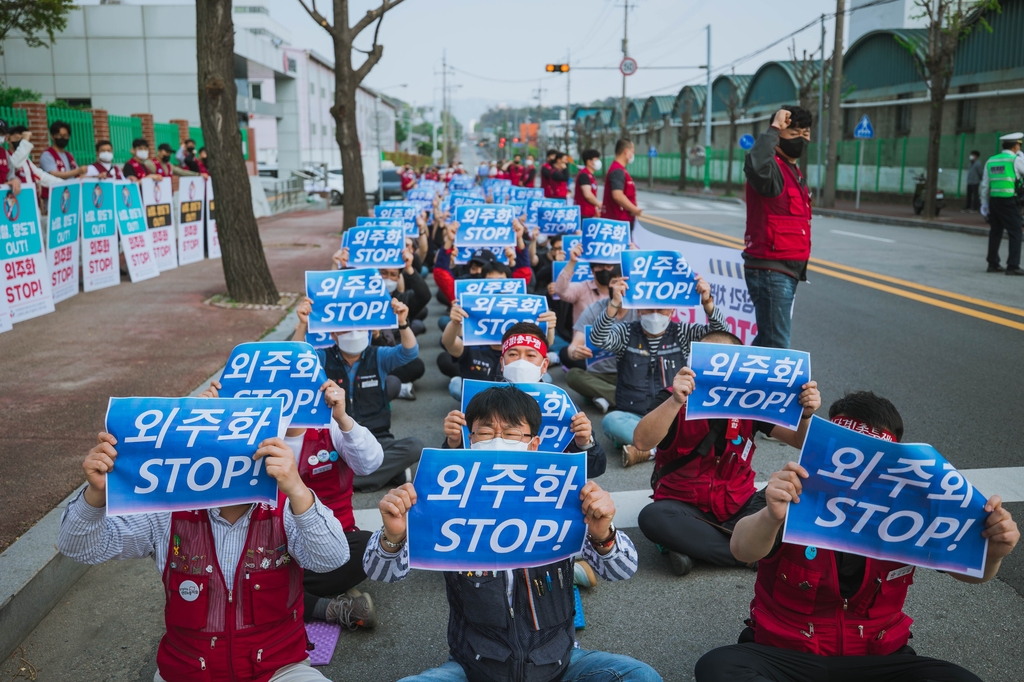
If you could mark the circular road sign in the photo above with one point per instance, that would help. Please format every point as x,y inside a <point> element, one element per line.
<point>747,141</point>
<point>436,154</point>
<point>627,66</point>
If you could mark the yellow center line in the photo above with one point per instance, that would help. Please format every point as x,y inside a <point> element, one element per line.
<point>816,266</point>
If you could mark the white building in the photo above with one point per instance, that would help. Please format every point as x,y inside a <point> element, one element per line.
<point>131,59</point>
<point>895,14</point>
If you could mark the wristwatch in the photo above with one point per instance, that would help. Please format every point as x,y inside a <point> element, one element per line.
<point>604,544</point>
<point>589,445</point>
<point>403,326</point>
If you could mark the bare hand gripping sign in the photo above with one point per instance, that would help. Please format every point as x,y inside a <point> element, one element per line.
<point>289,370</point>
<point>491,510</point>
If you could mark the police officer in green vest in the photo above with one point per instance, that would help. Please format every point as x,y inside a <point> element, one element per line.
<point>1003,173</point>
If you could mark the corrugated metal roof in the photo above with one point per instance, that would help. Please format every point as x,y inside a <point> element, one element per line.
<point>724,86</point>
<point>693,93</point>
<point>1000,50</point>
<point>658,107</point>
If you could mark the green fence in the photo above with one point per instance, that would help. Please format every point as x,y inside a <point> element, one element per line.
<point>82,145</point>
<point>196,133</point>
<point>166,133</point>
<point>14,117</point>
<point>124,129</point>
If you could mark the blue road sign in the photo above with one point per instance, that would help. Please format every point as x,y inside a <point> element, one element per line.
<point>652,152</point>
<point>864,131</point>
<point>747,141</point>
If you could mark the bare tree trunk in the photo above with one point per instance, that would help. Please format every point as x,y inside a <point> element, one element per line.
<point>938,96</point>
<point>245,265</point>
<point>344,111</point>
<point>732,147</point>
<point>834,112</point>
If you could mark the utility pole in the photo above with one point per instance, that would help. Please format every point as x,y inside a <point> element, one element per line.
<point>568,99</point>
<point>625,53</point>
<point>444,106</point>
<point>821,108</point>
<point>707,121</point>
<point>832,169</point>
<point>540,120</point>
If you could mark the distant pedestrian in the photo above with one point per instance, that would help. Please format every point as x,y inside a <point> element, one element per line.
<point>585,195</point>
<point>998,192</point>
<point>619,201</point>
<point>975,170</point>
<point>529,176</point>
<point>778,237</point>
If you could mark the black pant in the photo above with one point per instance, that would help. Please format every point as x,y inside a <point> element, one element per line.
<point>341,579</point>
<point>686,529</point>
<point>973,200</point>
<point>399,455</point>
<point>448,365</point>
<point>759,663</point>
<point>410,371</point>
<point>563,355</point>
<point>1004,214</point>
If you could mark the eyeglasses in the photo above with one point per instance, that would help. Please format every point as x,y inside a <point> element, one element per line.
<point>509,435</point>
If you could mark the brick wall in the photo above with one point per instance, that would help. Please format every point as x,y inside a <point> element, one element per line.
<point>36,112</point>
<point>148,134</point>
<point>100,124</point>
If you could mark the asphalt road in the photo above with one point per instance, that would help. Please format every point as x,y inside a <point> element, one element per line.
<point>953,376</point>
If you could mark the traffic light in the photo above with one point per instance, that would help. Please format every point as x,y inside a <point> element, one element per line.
<point>557,68</point>
<point>515,140</point>
<point>501,143</point>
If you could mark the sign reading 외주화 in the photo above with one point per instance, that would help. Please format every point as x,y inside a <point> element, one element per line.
<point>488,317</point>
<point>349,300</point>
<point>62,242</point>
<point>658,279</point>
<point>556,411</point>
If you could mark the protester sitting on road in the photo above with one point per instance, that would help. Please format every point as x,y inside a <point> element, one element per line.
<point>849,624</point>
<point>582,294</point>
<point>539,649</point>
<point>265,638</point>
<point>703,480</point>
<point>649,353</point>
<point>327,460</point>
<point>596,382</point>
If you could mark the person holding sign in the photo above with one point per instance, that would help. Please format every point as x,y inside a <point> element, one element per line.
<point>819,614</point>
<point>582,294</point>
<point>515,623</point>
<point>650,353</point>
<point>213,563</point>
<point>595,380</point>
<point>703,481</point>
<point>104,167</point>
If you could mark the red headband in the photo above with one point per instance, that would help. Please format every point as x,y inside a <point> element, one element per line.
<point>861,427</point>
<point>528,340</point>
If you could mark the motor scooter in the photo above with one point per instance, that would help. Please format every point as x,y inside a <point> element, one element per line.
<point>940,196</point>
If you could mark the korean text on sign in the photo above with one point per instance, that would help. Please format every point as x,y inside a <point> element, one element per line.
<point>489,287</point>
<point>289,370</point>
<point>536,203</point>
<point>366,221</point>
<point>582,273</point>
<point>886,500</point>
<point>465,198</point>
<point>524,193</point>
<point>135,237</point>
<point>744,382</point>
<point>558,220</point>
<point>347,300</point>
<point>176,454</point>
<point>658,279</point>
<point>604,240</point>
<point>191,198</point>
<point>375,247</point>
<point>156,197</point>
<point>484,225</point>
<point>99,237</point>
<point>405,211</point>
<point>556,411</point>
<point>462,255</point>
<point>487,317</point>
<point>26,275</point>
<point>212,236</point>
<point>493,510</point>
<point>418,194</point>
<point>62,242</point>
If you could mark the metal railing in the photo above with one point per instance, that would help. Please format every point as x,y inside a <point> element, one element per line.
<point>123,129</point>
<point>14,117</point>
<point>283,195</point>
<point>82,144</point>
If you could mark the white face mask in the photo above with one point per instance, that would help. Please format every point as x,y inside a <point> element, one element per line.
<point>353,343</point>
<point>542,239</point>
<point>522,372</point>
<point>598,165</point>
<point>106,157</point>
<point>629,159</point>
<point>142,153</point>
<point>500,444</point>
<point>529,162</point>
<point>391,285</point>
<point>654,323</point>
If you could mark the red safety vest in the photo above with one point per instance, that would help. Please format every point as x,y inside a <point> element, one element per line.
<point>330,478</point>
<point>610,209</point>
<point>113,173</point>
<point>779,228</point>
<point>797,605</point>
<point>515,172</point>
<point>544,182</point>
<point>245,632</point>
<point>163,169</point>
<point>61,166</point>
<point>138,167</point>
<point>587,209</point>
<point>529,176</point>
<point>5,164</point>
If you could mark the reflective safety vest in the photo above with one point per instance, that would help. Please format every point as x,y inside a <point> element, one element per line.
<point>330,477</point>
<point>1000,174</point>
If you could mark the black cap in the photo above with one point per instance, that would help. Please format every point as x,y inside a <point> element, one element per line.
<point>483,257</point>
<point>3,127</point>
<point>164,147</point>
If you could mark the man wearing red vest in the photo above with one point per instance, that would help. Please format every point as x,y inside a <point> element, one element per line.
<point>529,176</point>
<point>555,177</point>
<point>7,167</point>
<point>778,238</point>
<point>545,171</point>
<point>619,188</point>
<point>57,160</point>
<point>136,167</point>
<point>220,625</point>
<point>515,170</point>
<point>820,615</point>
<point>585,194</point>
<point>104,167</point>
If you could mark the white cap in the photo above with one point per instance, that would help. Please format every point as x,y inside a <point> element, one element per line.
<point>1012,137</point>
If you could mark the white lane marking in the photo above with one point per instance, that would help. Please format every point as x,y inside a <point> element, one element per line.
<point>1007,482</point>
<point>694,206</point>
<point>664,205</point>
<point>863,236</point>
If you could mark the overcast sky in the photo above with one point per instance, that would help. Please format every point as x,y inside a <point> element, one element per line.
<point>500,48</point>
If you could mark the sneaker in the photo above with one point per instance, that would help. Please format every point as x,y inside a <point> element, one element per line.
<point>352,611</point>
<point>603,405</point>
<point>1015,272</point>
<point>681,564</point>
<point>583,575</point>
<point>553,358</point>
<point>406,392</point>
<point>996,268</point>
<point>631,456</point>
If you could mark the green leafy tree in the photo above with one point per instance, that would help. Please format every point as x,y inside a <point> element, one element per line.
<point>9,95</point>
<point>31,18</point>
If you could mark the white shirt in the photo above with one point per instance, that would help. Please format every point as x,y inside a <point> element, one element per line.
<point>360,450</point>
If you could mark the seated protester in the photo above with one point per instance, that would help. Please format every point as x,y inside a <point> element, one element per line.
<point>104,167</point>
<point>225,633</point>
<point>598,382</point>
<point>649,353</point>
<point>703,482</point>
<point>861,632</point>
<point>543,285</point>
<point>362,369</point>
<point>135,168</point>
<point>539,649</point>
<point>331,596</point>
<point>480,262</point>
<point>582,294</point>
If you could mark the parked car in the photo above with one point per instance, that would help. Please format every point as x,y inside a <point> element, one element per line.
<point>336,179</point>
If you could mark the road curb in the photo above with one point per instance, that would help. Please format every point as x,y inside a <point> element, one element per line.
<point>34,576</point>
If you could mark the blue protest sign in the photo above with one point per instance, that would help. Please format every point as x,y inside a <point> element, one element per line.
<point>420,194</point>
<point>604,240</point>
<point>534,204</point>
<point>348,300</point>
<point>525,193</point>
<point>319,339</point>
<point>176,454</point>
<point>558,220</point>
<point>465,198</point>
<point>744,382</point>
<point>886,500</point>
<point>375,247</point>
<point>487,317</point>
<point>462,255</point>
<point>487,225</point>
<point>366,221</point>
<point>571,240</point>
<point>518,209</point>
<point>489,287</point>
<point>658,279</point>
<point>63,238</point>
<point>405,211</point>
<point>493,510</point>
<point>599,354</point>
<point>289,370</point>
<point>26,273</point>
<point>556,411</point>
<point>460,182</point>
<point>99,236</point>
<point>652,151</point>
<point>746,141</point>
<point>864,130</point>
<point>582,273</point>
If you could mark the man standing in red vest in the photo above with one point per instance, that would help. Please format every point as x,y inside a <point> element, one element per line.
<point>820,615</point>
<point>778,238</point>
<point>619,188</point>
<point>585,194</point>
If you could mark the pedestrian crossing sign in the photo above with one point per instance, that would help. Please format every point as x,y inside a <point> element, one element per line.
<point>864,131</point>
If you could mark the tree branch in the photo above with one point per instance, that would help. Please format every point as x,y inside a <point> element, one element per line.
<point>371,61</point>
<point>317,17</point>
<point>372,15</point>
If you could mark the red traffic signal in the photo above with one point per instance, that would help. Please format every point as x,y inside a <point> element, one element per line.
<point>515,140</point>
<point>557,68</point>
<point>501,143</point>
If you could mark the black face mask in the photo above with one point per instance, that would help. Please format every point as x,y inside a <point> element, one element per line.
<point>793,147</point>
<point>60,142</point>
<point>603,277</point>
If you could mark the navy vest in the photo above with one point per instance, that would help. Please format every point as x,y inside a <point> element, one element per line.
<point>645,369</point>
<point>367,401</point>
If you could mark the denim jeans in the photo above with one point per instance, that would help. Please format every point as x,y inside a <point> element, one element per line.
<point>618,427</point>
<point>584,666</point>
<point>772,293</point>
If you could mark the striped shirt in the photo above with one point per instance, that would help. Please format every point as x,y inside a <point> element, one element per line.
<point>613,336</point>
<point>357,447</point>
<point>315,538</point>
